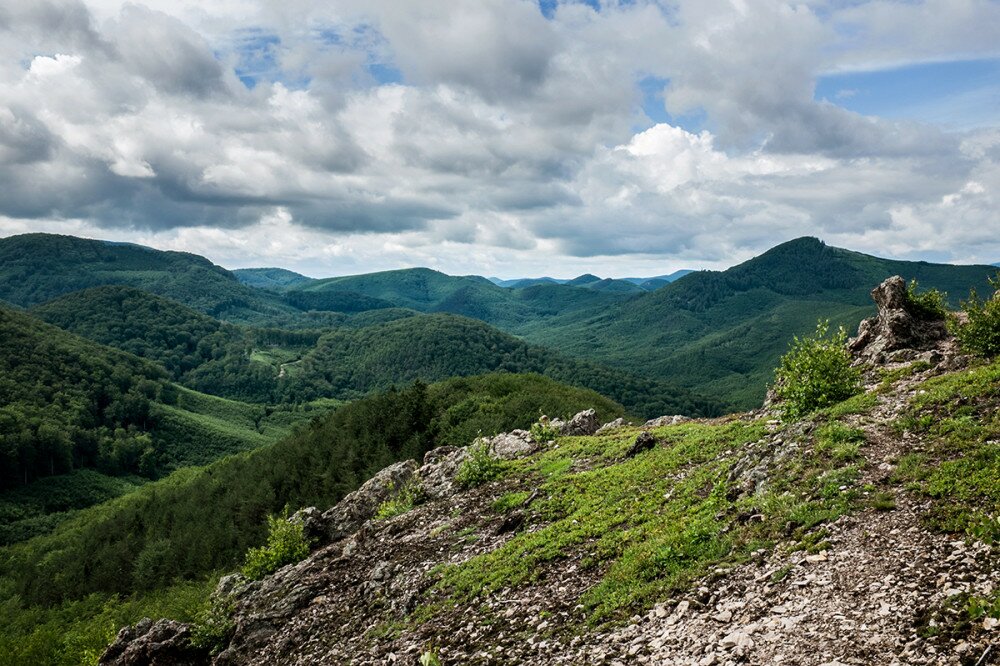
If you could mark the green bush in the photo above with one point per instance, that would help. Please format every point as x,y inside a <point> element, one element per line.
<point>286,544</point>
<point>815,373</point>
<point>980,334</point>
<point>479,468</point>
<point>543,432</point>
<point>929,306</point>
<point>407,497</point>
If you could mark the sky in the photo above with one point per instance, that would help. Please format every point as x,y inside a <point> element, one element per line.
<point>504,137</point>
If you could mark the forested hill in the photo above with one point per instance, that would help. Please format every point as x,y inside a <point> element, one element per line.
<point>280,366</point>
<point>276,279</point>
<point>197,350</point>
<point>351,362</point>
<point>426,290</point>
<point>67,403</point>
<point>35,268</point>
<point>722,332</point>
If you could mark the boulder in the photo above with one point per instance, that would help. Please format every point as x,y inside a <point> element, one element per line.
<point>160,643</point>
<point>361,505</point>
<point>510,445</point>
<point>645,441</point>
<point>312,523</point>
<point>895,328</point>
<point>583,423</point>
<point>661,421</point>
<point>437,474</point>
<point>611,425</point>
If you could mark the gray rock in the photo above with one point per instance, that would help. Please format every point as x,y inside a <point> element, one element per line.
<point>230,585</point>
<point>311,520</point>
<point>611,425</point>
<point>583,423</point>
<point>361,505</point>
<point>510,445</point>
<point>160,643</point>
<point>644,442</point>
<point>661,421</point>
<point>437,474</point>
<point>895,329</point>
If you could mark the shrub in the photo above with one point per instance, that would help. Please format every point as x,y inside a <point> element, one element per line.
<point>980,334</point>
<point>214,625</point>
<point>543,432</point>
<point>286,544</point>
<point>407,497</point>
<point>430,657</point>
<point>479,468</point>
<point>929,306</point>
<point>815,373</point>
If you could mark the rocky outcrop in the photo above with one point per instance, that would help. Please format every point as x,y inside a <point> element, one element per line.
<point>583,423</point>
<point>351,512</point>
<point>896,327</point>
<point>645,441</point>
<point>160,643</point>
<point>510,445</point>
<point>437,475</point>
<point>611,426</point>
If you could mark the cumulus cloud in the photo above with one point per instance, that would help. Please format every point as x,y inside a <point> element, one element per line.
<point>484,137</point>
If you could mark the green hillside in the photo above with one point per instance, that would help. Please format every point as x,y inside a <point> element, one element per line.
<point>426,290</point>
<point>197,350</point>
<point>56,591</point>
<point>70,405</point>
<point>349,363</point>
<point>276,279</point>
<point>362,355</point>
<point>723,332</point>
<point>35,268</point>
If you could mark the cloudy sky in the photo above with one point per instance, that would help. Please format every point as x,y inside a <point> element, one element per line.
<point>504,137</point>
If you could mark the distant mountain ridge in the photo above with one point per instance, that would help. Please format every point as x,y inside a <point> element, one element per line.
<point>715,331</point>
<point>271,278</point>
<point>595,282</point>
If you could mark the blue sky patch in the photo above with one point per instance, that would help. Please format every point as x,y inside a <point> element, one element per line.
<point>958,95</point>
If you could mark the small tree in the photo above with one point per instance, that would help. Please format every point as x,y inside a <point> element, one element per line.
<point>815,373</point>
<point>980,335</point>
<point>286,544</point>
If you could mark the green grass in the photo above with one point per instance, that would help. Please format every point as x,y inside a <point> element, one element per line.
<point>407,497</point>
<point>956,417</point>
<point>656,522</point>
<point>838,441</point>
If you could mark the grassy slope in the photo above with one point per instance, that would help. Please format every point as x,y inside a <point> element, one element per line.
<point>723,332</point>
<point>655,523</point>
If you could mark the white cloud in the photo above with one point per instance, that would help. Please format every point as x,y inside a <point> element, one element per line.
<point>511,141</point>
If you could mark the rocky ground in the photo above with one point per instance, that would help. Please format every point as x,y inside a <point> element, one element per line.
<point>876,585</point>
